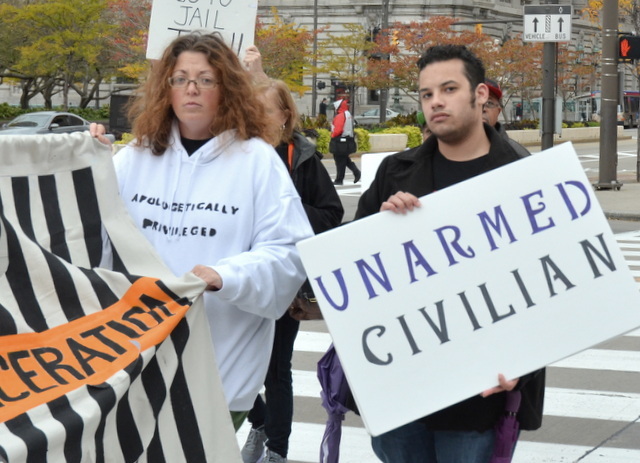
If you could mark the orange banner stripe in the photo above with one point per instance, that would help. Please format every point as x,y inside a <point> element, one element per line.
<point>36,368</point>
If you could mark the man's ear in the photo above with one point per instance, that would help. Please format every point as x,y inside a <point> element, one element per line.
<point>482,94</point>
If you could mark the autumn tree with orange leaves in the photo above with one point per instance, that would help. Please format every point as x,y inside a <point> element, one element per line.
<point>412,39</point>
<point>128,43</point>
<point>628,12</point>
<point>285,50</point>
<point>515,65</point>
<point>573,68</point>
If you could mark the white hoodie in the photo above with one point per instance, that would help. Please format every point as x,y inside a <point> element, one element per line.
<point>230,205</point>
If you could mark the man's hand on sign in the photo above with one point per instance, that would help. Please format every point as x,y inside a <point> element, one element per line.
<point>400,203</point>
<point>505,385</point>
<point>252,62</point>
<point>209,276</point>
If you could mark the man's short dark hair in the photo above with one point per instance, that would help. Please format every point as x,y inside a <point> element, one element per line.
<point>473,67</point>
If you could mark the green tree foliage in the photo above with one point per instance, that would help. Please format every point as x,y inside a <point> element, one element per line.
<point>362,139</point>
<point>324,137</point>
<point>345,56</point>
<point>414,134</point>
<point>67,41</point>
<point>11,36</point>
<point>53,46</point>
<point>323,140</point>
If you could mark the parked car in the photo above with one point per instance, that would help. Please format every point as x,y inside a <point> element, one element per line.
<point>373,116</point>
<point>45,122</point>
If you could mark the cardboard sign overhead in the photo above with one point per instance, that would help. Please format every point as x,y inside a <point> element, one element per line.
<point>504,273</point>
<point>235,20</point>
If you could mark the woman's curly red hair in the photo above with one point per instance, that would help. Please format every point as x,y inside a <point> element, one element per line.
<point>239,108</point>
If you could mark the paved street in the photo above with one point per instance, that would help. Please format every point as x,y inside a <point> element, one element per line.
<point>592,405</point>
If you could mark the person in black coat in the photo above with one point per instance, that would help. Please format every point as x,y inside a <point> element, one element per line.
<point>323,107</point>
<point>452,93</point>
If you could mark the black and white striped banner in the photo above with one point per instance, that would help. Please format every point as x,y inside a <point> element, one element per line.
<point>96,365</point>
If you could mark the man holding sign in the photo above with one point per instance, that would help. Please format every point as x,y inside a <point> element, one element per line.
<point>452,93</point>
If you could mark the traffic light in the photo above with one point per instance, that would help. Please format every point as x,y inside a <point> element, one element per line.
<point>628,48</point>
<point>479,28</point>
<point>320,85</point>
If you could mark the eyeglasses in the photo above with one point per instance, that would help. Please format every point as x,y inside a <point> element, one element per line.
<point>491,105</point>
<point>201,82</point>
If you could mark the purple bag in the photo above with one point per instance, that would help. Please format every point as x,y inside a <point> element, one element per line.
<point>507,430</point>
<point>335,392</point>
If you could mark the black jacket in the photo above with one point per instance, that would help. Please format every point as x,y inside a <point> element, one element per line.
<point>313,183</point>
<point>521,150</point>
<point>411,171</point>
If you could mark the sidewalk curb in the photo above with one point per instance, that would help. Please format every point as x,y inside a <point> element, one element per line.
<point>622,216</point>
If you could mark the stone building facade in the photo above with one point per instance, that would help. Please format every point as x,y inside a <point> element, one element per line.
<point>499,19</point>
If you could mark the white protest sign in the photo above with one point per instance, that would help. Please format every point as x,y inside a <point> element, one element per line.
<point>369,163</point>
<point>504,273</point>
<point>235,20</point>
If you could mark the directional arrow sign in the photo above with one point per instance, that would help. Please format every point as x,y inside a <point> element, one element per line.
<point>547,23</point>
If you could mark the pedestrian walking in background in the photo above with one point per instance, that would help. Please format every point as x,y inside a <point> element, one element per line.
<point>232,214</point>
<point>323,107</point>
<point>343,142</point>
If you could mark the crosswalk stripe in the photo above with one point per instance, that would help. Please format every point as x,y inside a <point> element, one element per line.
<point>573,403</point>
<point>349,190</point>
<point>594,405</point>
<point>631,236</point>
<point>537,452</point>
<point>311,341</point>
<point>602,359</point>
<point>305,384</point>
<point>633,333</point>
<point>356,448</point>
<point>596,157</point>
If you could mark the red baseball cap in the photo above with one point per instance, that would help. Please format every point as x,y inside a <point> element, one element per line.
<point>494,88</point>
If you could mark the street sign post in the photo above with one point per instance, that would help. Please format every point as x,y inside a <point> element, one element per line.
<point>547,23</point>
